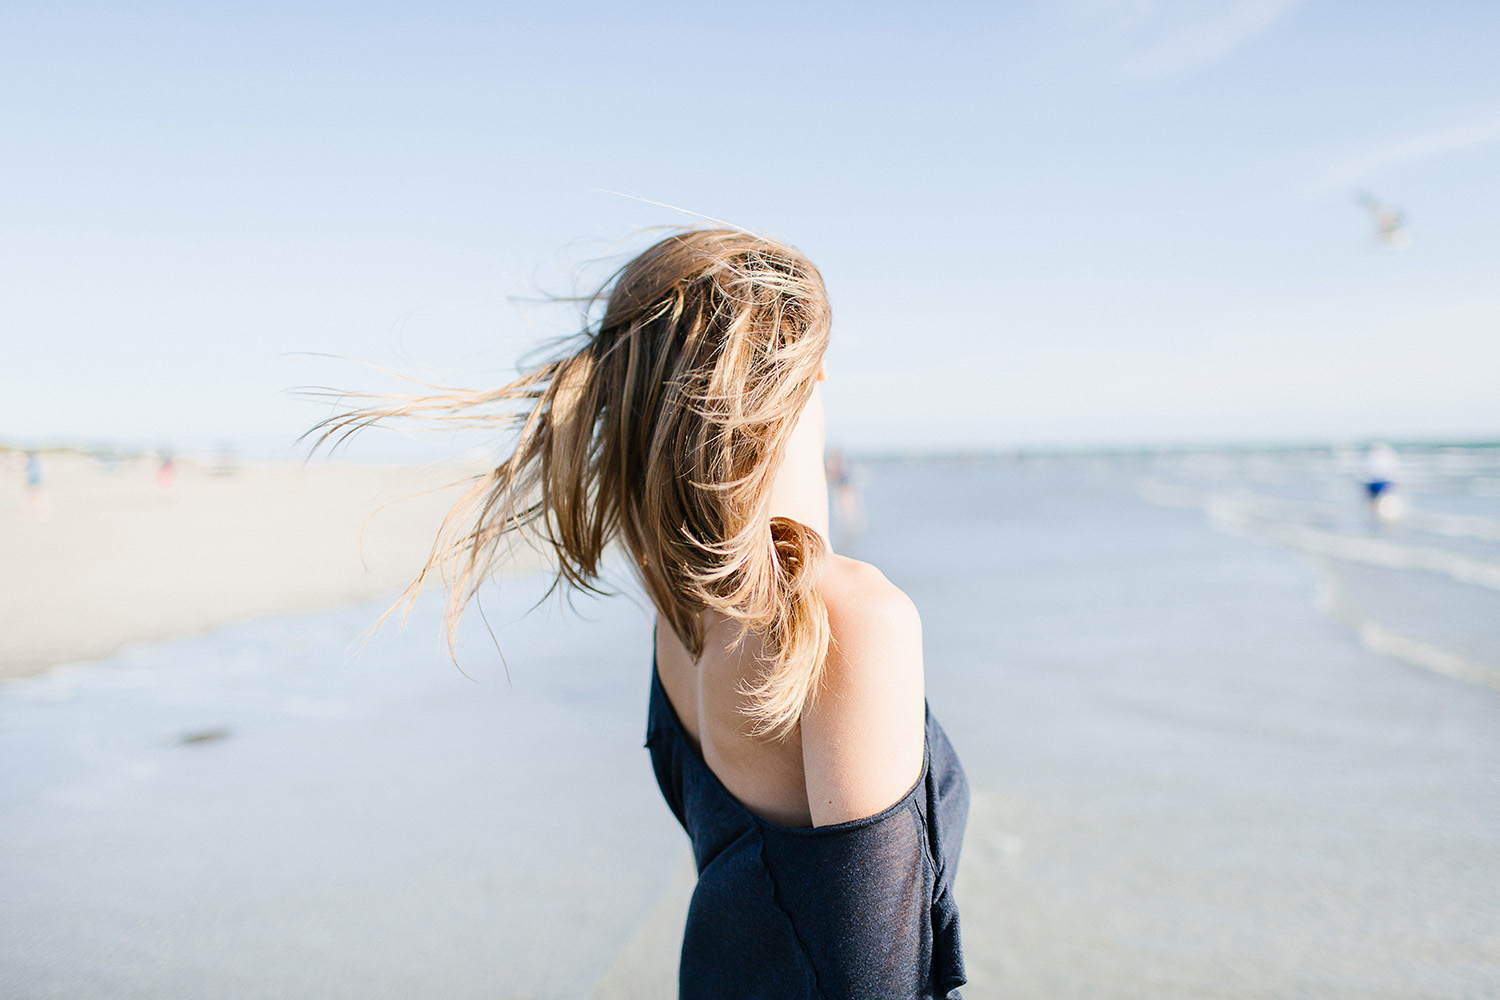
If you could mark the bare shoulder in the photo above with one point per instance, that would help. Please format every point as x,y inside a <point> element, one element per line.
<point>877,632</point>
<point>863,734</point>
<point>860,599</point>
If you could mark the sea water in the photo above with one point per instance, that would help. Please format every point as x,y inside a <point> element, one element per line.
<point>1228,736</point>
<point>1200,767</point>
<point>1421,585</point>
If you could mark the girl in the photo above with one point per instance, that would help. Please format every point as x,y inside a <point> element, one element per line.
<point>787,722</point>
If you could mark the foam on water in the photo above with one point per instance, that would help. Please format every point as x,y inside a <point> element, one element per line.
<point>1309,502</point>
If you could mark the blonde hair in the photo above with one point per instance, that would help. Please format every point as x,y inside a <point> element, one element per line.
<point>664,430</point>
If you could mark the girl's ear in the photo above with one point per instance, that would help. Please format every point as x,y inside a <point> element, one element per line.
<point>822,373</point>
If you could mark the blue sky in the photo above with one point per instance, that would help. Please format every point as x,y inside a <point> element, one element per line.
<point>1072,222</point>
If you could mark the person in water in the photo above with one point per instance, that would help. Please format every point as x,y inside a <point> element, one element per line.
<point>1382,471</point>
<point>787,726</point>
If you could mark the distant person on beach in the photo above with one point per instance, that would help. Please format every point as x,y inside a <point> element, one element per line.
<point>848,501</point>
<point>166,472</point>
<point>787,722</point>
<point>38,503</point>
<point>1382,469</point>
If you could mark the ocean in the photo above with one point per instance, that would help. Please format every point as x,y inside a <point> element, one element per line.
<point>1421,587</point>
<point>1228,734</point>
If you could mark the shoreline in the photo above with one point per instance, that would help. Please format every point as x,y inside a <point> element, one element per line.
<point>103,554</point>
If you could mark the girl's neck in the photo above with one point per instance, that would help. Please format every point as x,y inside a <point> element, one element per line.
<point>800,490</point>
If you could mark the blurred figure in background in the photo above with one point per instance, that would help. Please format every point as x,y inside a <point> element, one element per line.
<point>848,500</point>
<point>1382,470</point>
<point>166,473</point>
<point>38,504</point>
<point>227,462</point>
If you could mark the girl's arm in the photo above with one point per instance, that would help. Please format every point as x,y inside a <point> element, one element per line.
<point>864,732</point>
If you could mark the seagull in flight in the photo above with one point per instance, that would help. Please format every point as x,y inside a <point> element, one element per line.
<point>1390,225</point>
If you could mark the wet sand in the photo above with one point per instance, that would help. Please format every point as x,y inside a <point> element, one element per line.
<point>104,555</point>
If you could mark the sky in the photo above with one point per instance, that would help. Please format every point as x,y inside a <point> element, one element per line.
<point>1059,223</point>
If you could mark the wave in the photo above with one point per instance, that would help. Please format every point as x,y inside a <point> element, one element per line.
<point>1378,639</point>
<point>1454,525</point>
<point>1449,525</point>
<point>1248,515</point>
<point>1379,552</point>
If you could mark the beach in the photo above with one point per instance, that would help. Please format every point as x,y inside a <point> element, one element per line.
<point>1226,736</point>
<point>106,551</point>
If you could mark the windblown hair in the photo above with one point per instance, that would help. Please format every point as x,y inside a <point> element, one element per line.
<point>664,430</point>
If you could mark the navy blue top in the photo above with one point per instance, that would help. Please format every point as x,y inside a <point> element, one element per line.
<point>856,911</point>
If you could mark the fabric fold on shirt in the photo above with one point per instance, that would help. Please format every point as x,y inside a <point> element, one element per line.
<point>862,910</point>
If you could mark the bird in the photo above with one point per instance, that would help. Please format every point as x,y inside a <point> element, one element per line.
<point>1390,224</point>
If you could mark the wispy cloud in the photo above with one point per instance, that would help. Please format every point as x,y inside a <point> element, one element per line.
<point>1201,42</point>
<point>1357,170</point>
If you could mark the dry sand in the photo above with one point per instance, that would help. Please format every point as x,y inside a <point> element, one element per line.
<point>104,555</point>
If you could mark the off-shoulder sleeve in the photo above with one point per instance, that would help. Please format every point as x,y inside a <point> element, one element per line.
<point>859,897</point>
<point>859,911</point>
